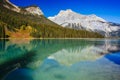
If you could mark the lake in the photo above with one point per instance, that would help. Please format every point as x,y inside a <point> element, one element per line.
<point>60,59</point>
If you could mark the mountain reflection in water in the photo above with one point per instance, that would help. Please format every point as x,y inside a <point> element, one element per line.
<point>59,59</point>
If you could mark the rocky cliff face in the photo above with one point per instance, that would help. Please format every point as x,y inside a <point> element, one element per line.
<point>9,5</point>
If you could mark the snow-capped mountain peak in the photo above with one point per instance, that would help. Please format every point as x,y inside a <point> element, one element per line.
<point>71,19</point>
<point>65,11</point>
<point>69,15</point>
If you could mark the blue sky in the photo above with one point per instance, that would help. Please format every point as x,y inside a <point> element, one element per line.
<point>107,9</point>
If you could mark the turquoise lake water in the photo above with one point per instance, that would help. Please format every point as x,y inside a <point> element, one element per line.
<point>59,59</point>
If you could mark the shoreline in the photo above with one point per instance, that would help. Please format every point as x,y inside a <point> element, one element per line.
<point>56,38</point>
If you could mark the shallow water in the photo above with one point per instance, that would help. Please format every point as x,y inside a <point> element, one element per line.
<point>59,59</point>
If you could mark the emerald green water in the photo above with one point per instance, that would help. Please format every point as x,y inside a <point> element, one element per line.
<point>59,59</point>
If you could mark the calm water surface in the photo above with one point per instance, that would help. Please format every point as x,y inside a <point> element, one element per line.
<point>77,59</point>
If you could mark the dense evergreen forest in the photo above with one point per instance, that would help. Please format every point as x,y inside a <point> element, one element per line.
<point>12,23</point>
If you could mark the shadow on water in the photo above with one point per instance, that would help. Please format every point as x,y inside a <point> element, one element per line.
<point>2,45</point>
<point>16,63</point>
<point>31,59</point>
<point>114,57</point>
<point>20,74</point>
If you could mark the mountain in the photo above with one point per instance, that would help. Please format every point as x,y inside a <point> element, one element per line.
<point>71,19</point>
<point>30,22</point>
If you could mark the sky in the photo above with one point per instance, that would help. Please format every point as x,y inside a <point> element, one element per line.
<point>107,9</point>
